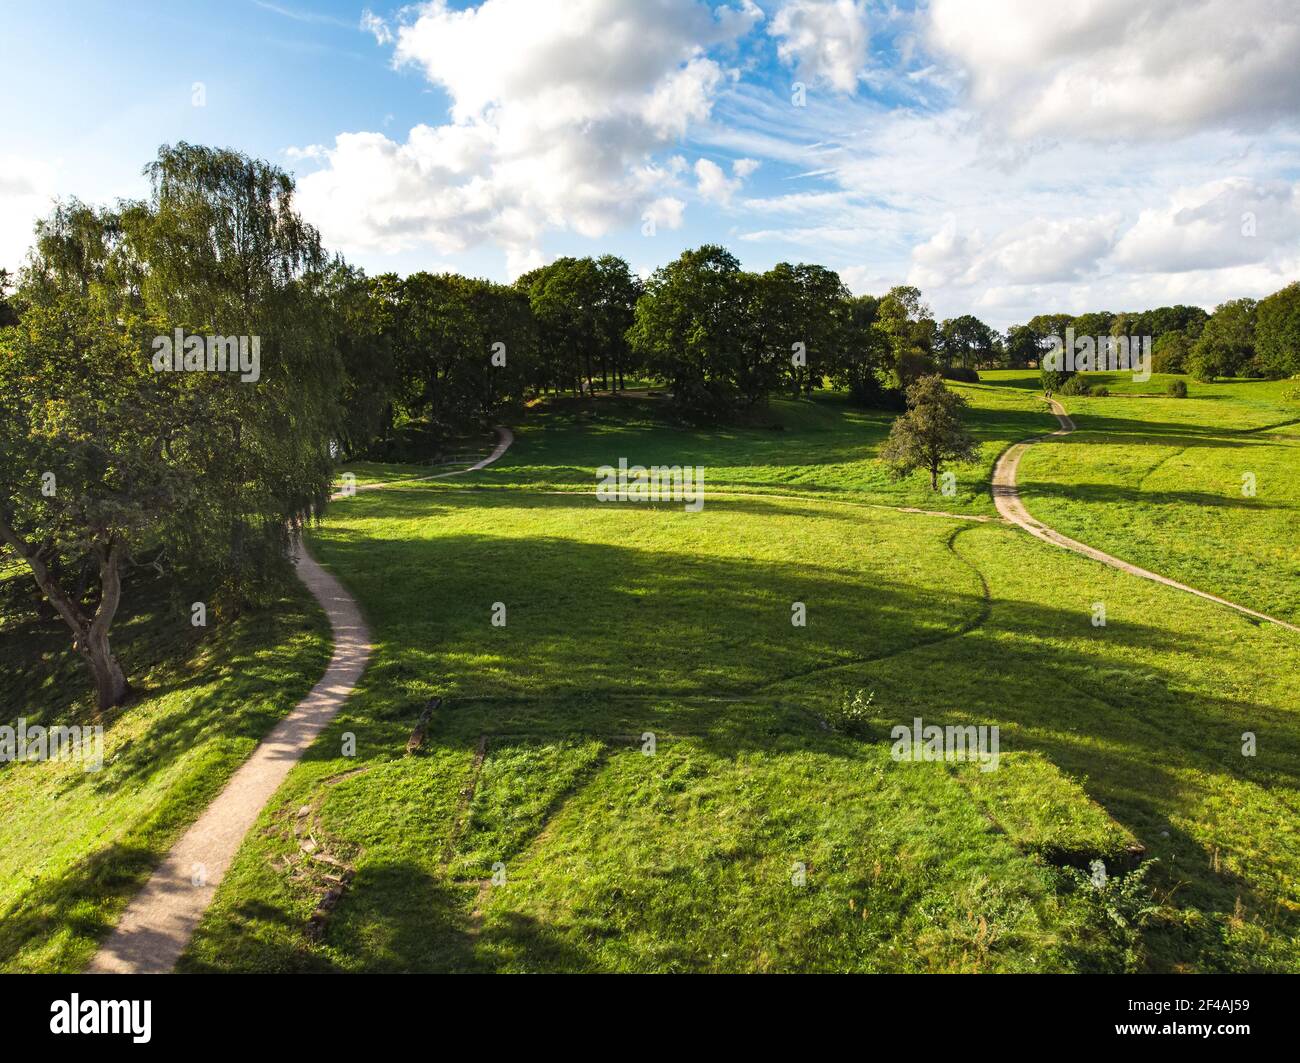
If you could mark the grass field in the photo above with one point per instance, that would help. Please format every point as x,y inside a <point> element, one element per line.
<point>1159,482</point>
<point>76,844</point>
<point>533,830</point>
<point>649,767</point>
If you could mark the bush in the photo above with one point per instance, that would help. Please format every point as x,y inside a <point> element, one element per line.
<point>1101,392</point>
<point>852,714</point>
<point>1177,388</point>
<point>1054,379</point>
<point>960,373</point>
<point>1076,385</point>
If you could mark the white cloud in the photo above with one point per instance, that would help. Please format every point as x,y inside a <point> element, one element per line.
<point>1043,251</point>
<point>558,110</point>
<point>1229,222</point>
<point>27,189</point>
<point>712,183</point>
<point>1111,68</point>
<point>666,212</point>
<point>372,23</point>
<point>824,40</point>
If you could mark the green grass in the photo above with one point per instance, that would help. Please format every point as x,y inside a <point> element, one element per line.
<point>823,446</point>
<point>1046,812</point>
<point>76,844</point>
<point>626,620</point>
<point>1159,482</point>
<point>636,772</point>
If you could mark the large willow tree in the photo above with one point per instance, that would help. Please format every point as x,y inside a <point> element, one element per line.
<point>106,460</point>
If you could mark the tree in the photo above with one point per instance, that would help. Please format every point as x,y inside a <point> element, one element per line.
<point>108,459</point>
<point>1023,347</point>
<point>965,341</point>
<point>1277,332</point>
<point>617,292</point>
<point>1227,343</point>
<point>8,315</point>
<point>803,305</point>
<point>1169,353</point>
<point>1094,323</point>
<point>466,348</point>
<point>911,330</point>
<point>865,361</point>
<point>697,328</point>
<point>364,310</point>
<point>565,297</point>
<point>930,434</point>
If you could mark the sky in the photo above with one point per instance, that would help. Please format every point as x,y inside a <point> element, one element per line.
<point>1008,157</point>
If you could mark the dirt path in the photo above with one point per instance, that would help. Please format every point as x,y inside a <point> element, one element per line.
<point>504,438</point>
<point>1007,499</point>
<point>160,920</point>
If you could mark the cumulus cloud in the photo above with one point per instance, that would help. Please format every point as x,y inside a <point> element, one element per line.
<point>1229,222</point>
<point>558,110</point>
<point>824,40</point>
<point>713,184</point>
<point>1112,68</point>
<point>1043,251</point>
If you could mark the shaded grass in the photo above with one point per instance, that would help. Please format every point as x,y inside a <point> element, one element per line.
<point>628,620</point>
<point>76,844</point>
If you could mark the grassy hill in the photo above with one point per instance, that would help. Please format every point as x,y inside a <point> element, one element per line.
<point>76,844</point>
<point>1159,481</point>
<point>770,831</point>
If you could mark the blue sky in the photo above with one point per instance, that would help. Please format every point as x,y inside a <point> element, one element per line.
<point>1007,156</point>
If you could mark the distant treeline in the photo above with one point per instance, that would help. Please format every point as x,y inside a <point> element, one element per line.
<point>447,351</point>
<point>427,356</point>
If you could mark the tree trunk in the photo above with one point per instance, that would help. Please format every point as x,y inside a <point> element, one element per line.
<point>110,683</point>
<point>934,477</point>
<point>89,635</point>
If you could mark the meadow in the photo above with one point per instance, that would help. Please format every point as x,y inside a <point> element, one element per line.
<point>75,845</point>
<point>649,767</point>
<point>766,826</point>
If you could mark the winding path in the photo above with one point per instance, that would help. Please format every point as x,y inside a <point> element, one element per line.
<point>160,920</point>
<point>1006,497</point>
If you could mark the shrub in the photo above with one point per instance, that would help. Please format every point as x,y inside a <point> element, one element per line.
<point>960,373</point>
<point>851,715</point>
<point>1076,385</point>
<point>1054,379</point>
<point>1178,389</point>
<point>1101,392</point>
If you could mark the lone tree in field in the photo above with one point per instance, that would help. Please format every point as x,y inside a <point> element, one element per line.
<point>930,434</point>
<point>107,460</point>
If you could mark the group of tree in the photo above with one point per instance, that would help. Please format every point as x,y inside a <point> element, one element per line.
<point>110,464</point>
<point>1248,338</point>
<point>1242,338</point>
